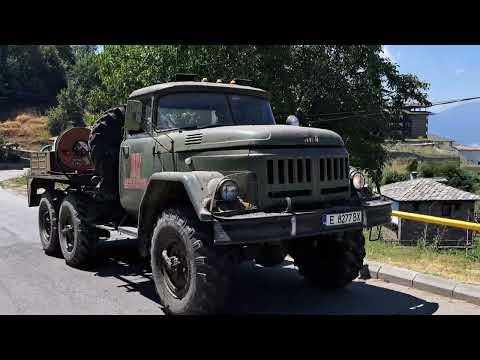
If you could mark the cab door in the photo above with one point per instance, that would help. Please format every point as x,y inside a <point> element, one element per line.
<point>163,159</point>
<point>136,154</point>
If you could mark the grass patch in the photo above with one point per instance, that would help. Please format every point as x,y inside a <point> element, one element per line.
<point>459,265</point>
<point>18,183</point>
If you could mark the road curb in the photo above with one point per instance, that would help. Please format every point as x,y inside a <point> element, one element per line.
<point>433,284</point>
<point>397,275</point>
<point>468,293</point>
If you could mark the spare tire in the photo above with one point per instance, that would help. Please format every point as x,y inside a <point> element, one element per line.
<point>104,143</point>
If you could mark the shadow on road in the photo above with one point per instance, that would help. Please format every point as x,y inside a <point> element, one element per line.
<point>277,290</point>
<point>14,165</point>
<point>119,259</point>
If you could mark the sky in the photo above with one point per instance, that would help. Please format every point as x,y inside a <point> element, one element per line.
<point>453,71</point>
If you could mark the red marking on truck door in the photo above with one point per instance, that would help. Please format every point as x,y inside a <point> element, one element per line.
<point>135,180</point>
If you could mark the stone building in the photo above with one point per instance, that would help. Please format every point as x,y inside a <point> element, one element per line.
<point>430,197</point>
<point>414,123</point>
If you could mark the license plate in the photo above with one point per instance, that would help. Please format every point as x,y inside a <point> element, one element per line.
<point>342,218</point>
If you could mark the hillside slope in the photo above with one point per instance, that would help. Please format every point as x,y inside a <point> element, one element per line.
<point>29,131</point>
<point>461,123</point>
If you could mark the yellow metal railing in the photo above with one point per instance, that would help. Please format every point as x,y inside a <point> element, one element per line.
<point>437,220</point>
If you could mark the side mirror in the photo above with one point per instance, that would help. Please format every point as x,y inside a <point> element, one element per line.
<point>293,120</point>
<point>133,117</point>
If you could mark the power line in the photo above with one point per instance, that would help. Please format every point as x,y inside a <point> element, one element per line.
<point>446,102</point>
<point>364,113</point>
<point>346,117</point>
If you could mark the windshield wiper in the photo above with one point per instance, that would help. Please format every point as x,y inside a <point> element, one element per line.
<point>188,128</point>
<point>200,127</point>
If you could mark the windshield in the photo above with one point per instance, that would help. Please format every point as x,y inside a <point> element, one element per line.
<point>200,110</point>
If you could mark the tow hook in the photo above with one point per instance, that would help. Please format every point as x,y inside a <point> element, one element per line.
<point>171,262</point>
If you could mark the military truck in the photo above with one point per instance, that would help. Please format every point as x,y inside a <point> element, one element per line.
<point>203,178</point>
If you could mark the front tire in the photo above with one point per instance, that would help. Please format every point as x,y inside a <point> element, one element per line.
<point>190,277</point>
<point>331,262</point>
<point>78,239</point>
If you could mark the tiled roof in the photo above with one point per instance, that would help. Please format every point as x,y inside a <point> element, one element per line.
<point>424,190</point>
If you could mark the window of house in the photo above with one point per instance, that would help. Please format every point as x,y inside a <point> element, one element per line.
<point>446,210</point>
<point>416,206</point>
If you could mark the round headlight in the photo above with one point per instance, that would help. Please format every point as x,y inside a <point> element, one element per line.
<point>228,190</point>
<point>358,181</point>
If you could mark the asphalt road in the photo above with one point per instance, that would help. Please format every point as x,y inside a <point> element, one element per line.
<point>33,283</point>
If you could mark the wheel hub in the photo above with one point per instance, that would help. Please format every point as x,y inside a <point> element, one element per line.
<point>68,230</point>
<point>171,262</point>
<point>175,270</point>
<point>46,225</point>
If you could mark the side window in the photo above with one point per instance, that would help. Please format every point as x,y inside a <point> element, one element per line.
<point>146,116</point>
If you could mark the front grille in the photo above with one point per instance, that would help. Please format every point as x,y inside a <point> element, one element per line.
<point>289,171</point>
<point>334,190</point>
<point>333,169</point>
<point>291,193</point>
<point>299,171</point>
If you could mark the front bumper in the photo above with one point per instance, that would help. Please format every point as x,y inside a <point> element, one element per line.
<point>260,226</point>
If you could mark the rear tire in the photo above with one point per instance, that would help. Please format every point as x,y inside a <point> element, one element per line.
<point>198,284</point>
<point>78,239</point>
<point>329,262</point>
<point>48,224</point>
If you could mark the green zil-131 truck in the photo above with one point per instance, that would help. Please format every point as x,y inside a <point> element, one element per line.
<point>203,178</point>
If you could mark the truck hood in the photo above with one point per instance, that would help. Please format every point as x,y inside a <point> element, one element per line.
<point>254,136</point>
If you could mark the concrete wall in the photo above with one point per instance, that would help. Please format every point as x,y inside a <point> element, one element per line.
<point>410,232</point>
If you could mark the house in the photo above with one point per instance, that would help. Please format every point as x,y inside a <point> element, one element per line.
<point>471,154</point>
<point>430,197</point>
<point>414,123</point>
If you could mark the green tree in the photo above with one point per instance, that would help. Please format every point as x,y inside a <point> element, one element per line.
<point>73,101</point>
<point>308,79</point>
<point>39,70</point>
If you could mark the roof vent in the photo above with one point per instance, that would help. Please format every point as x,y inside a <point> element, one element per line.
<point>185,77</point>
<point>244,82</point>
<point>413,175</point>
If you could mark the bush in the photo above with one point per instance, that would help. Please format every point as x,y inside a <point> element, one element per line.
<point>391,176</point>
<point>456,176</point>
<point>412,165</point>
<point>89,119</point>
<point>57,121</point>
